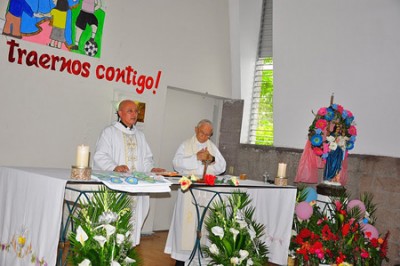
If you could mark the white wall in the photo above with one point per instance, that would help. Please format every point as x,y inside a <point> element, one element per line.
<point>248,29</point>
<point>45,114</point>
<point>351,48</point>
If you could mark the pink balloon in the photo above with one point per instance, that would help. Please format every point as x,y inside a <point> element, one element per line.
<point>356,203</point>
<point>304,210</point>
<point>371,229</point>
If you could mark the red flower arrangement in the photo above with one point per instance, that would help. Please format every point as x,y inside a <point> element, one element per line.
<point>210,179</point>
<point>341,233</point>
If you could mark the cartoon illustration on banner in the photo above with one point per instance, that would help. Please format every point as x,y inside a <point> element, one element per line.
<point>72,25</point>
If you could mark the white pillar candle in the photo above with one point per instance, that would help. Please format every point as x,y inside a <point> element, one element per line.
<point>82,156</point>
<point>281,170</point>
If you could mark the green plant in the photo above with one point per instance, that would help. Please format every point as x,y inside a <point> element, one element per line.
<point>234,236</point>
<point>103,231</point>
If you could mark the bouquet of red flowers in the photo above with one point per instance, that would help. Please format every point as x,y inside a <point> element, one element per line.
<point>342,232</point>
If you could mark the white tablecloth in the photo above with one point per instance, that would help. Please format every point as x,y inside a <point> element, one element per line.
<point>31,203</point>
<point>31,208</point>
<point>274,207</point>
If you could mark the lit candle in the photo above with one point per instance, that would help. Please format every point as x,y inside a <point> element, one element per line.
<point>281,170</point>
<point>82,156</point>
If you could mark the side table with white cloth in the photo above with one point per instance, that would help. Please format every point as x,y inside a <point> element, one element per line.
<point>31,211</point>
<point>274,207</point>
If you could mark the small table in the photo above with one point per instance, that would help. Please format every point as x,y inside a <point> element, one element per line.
<point>274,208</point>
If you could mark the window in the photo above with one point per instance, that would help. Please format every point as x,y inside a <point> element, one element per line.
<point>261,130</point>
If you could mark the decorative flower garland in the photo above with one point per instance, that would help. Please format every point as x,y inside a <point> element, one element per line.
<point>332,127</point>
<point>209,180</point>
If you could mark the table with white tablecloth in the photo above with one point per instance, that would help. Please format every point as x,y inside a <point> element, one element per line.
<point>274,207</point>
<point>31,211</point>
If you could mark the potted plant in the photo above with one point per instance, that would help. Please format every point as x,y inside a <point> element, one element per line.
<point>234,236</point>
<point>103,232</point>
<point>342,234</point>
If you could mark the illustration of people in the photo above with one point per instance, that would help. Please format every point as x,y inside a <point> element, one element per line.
<point>86,17</point>
<point>58,23</point>
<point>12,26</point>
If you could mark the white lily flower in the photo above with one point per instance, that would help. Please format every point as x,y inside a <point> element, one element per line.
<point>115,263</point>
<point>342,142</point>
<point>235,232</point>
<point>108,217</point>
<point>242,224</point>
<point>81,235</point>
<point>330,139</point>
<point>249,262</point>
<point>332,146</point>
<point>252,233</point>
<point>218,231</point>
<point>100,239</point>
<point>235,260</point>
<point>120,239</point>
<point>129,260</point>
<point>85,262</point>
<point>214,249</point>
<point>110,230</point>
<point>243,254</point>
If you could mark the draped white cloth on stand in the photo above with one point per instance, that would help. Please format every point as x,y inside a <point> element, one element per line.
<point>31,212</point>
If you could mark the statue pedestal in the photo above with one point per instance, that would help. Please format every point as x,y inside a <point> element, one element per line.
<point>325,194</point>
<point>330,190</point>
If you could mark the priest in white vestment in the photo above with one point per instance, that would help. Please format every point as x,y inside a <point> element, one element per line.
<point>193,153</point>
<point>121,147</point>
<point>190,158</point>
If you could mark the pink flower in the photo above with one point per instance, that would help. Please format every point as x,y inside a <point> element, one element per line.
<point>340,108</point>
<point>321,124</point>
<point>352,130</point>
<point>338,205</point>
<point>349,114</point>
<point>364,254</point>
<point>317,151</point>
<point>326,148</point>
<point>234,181</point>
<point>322,111</point>
<point>185,183</point>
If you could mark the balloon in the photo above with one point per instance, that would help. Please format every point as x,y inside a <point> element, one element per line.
<point>356,203</point>
<point>311,194</point>
<point>304,210</point>
<point>369,228</point>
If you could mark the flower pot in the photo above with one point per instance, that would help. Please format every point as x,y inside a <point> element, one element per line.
<point>291,261</point>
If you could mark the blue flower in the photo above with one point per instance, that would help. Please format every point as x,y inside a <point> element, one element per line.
<point>324,155</point>
<point>349,120</point>
<point>316,140</point>
<point>344,114</point>
<point>318,131</point>
<point>330,114</point>
<point>334,106</point>
<point>350,145</point>
<point>353,138</point>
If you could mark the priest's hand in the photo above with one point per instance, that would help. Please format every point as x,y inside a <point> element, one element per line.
<point>203,155</point>
<point>121,168</point>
